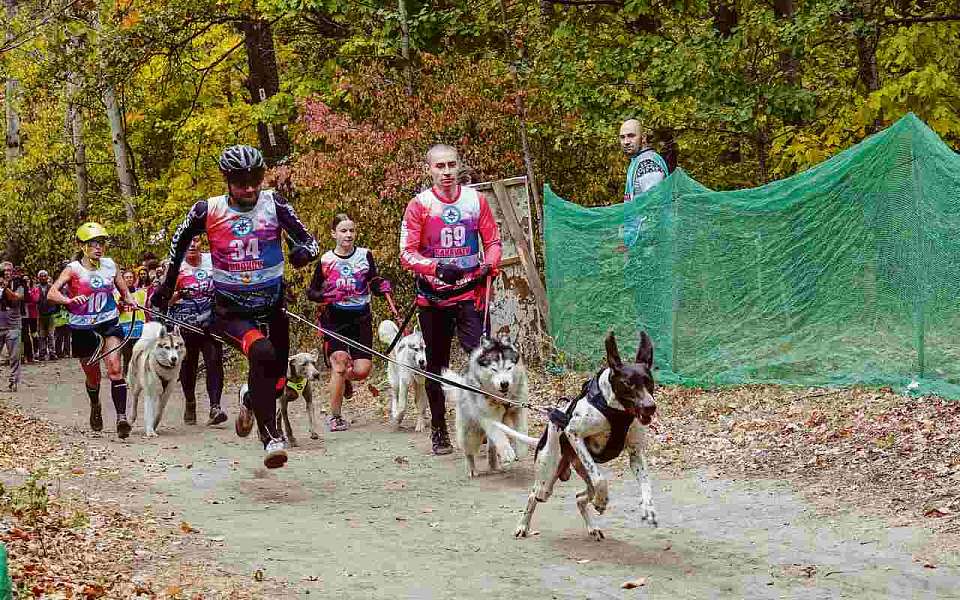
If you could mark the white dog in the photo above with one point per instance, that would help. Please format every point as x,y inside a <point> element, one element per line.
<point>303,373</point>
<point>496,367</point>
<point>154,367</point>
<point>412,351</point>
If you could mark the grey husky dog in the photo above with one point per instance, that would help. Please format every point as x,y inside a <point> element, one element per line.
<point>411,351</point>
<point>495,366</point>
<point>154,367</point>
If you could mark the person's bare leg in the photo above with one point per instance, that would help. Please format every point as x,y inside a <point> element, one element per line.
<point>339,366</point>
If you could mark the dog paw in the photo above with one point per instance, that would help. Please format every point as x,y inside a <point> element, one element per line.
<point>150,434</point>
<point>507,454</point>
<point>293,442</point>
<point>648,515</point>
<point>420,426</point>
<point>521,532</point>
<point>596,534</point>
<point>314,435</point>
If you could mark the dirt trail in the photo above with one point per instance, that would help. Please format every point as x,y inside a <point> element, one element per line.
<point>369,513</point>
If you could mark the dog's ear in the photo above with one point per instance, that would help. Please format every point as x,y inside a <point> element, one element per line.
<point>290,365</point>
<point>613,355</point>
<point>163,331</point>
<point>316,354</point>
<point>486,343</point>
<point>176,330</point>
<point>645,351</point>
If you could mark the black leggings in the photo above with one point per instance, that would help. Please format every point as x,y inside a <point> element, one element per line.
<point>212,351</point>
<point>439,324</point>
<point>265,341</point>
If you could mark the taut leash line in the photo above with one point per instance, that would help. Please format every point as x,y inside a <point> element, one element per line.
<point>426,374</point>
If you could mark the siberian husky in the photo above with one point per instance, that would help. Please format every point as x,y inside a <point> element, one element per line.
<point>496,367</point>
<point>154,367</point>
<point>411,351</point>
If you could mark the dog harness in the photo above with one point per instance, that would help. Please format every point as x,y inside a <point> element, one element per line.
<point>297,386</point>
<point>620,421</point>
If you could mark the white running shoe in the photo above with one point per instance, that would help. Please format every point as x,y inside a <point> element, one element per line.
<point>244,422</point>
<point>276,453</point>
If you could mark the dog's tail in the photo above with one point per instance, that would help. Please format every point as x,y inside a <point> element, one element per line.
<point>387,331</point>
<point>513,433</point>
<point>453,392</point>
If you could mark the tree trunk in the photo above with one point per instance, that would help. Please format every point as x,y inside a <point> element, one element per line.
<point>263,82</point>
<point>405,46</point>
<point>74,131</point>
<point>10,96</point>
<point>789,64</point>
<point>867,69</point>
<point>118,137</point>
<point>725,18</point>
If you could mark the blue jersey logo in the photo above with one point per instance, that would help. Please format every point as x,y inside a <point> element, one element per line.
<point>346,270</point>
<point>201,275</point>
<point>241,227</point>
<point>450,215</point>
<point>96,282</point>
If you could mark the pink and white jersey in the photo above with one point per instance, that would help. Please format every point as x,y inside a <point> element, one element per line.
<point>245,246</point>
<point>436,230</point>
<point>344,281</point>
<point>195,287</point>
<point>98,286</point>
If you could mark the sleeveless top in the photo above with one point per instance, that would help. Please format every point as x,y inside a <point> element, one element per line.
<point>98,285</point>
<point>245,246</point>
<point>134,318</point>
<point>346,280</point>
<point>195,285</point>
<point>451,232</point>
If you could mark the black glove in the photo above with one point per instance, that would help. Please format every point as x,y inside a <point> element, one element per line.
<point>449,273</point>
<point>300,257</point>
<point>161,297</point>
<point>482,271</point>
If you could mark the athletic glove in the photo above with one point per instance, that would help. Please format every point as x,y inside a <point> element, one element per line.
<point>300,257</point>
<point>381,286</point>
<point>161,297</point>
<point>482,271</point>
<point>449,273</point>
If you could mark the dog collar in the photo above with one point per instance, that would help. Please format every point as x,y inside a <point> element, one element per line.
<point>297,386</point>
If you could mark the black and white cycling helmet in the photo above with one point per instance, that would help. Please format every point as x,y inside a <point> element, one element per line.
<point>241,159</point>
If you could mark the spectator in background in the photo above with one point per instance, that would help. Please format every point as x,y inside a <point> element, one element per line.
<point>131,319</point>
<point>31,317</point>
<point>646,170</point>
<point>61,325</point>
<point>47,310</point>
<point>12,291</point>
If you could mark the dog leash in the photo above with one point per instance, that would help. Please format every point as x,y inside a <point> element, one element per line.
<point>97,356</point>
<point>426,374</point>
<point>403,326</point>
<point>486,305</point>
<point>181,324</point>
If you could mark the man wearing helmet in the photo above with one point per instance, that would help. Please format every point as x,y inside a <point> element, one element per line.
<point>244,229</point>
<point>94,319</point>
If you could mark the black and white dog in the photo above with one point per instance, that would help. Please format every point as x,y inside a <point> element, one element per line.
<point>610,414</point>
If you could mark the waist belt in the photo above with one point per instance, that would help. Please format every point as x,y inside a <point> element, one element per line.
<point>424,289</point>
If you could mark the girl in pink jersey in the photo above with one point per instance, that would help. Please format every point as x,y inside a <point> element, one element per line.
<point>94,316</point>
<point>341,284</point>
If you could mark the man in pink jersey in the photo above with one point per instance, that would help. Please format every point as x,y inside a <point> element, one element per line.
<point>451,242</point>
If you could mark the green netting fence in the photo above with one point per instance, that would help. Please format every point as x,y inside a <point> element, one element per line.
<point>848,273</point>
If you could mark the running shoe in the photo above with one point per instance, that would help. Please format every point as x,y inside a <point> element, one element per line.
<point>123,427</point>
<point>276,453</point>
<point>96,418</point>
<point>440,440</point>
<point>244,422</point>
<point>217,416</point>
<point>336,423</point>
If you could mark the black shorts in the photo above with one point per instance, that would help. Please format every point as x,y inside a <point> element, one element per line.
<point>86,341</point>
<point>354,324</point>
